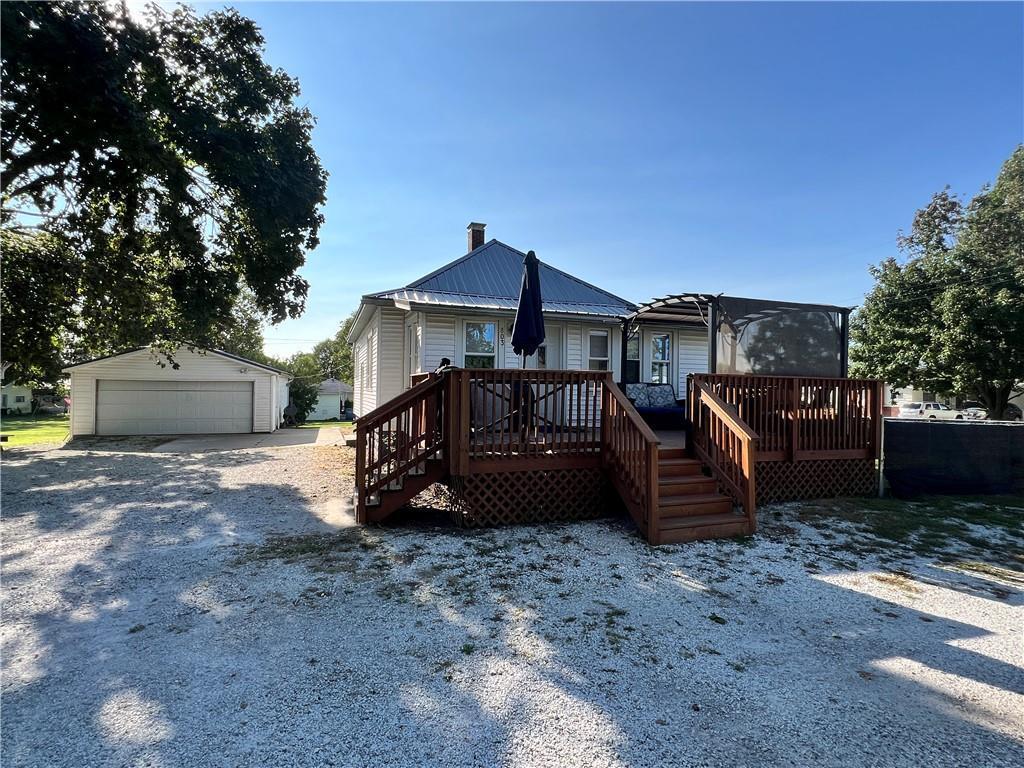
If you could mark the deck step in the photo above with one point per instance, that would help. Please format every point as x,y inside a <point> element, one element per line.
<point>694,505</point>
<point>685,485</point>
<point>677,467</point>
<point>671,453</point>
<point>719,526</point>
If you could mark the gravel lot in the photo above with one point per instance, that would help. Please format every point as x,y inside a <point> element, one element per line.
<point>171,609</point>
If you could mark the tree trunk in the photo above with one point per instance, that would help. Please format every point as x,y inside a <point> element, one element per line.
<point>994,396</point>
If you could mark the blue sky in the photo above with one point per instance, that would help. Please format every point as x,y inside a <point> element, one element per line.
<point>758,150</point>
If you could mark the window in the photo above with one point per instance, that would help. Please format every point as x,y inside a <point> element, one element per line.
<point>661,358</point>
<point>632,373</point>
<point>597,351</point>
<point>481,349</point>
<point>19,398</point>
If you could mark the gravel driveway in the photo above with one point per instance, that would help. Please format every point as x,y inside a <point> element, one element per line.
<point>180,609</point>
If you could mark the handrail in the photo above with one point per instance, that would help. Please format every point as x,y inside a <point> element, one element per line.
<point>631,455</point>
<point>396,440</point>
<point>727,444</point>
<point>719,406</point>
<point>630,409</point>
<point>396,402</point>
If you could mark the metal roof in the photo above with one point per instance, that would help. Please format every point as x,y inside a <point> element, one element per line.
<point>219,352</point>
<point>489,277</point>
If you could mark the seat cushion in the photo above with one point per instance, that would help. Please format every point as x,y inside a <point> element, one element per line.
<point>638,394</point>
<point>661,396</point>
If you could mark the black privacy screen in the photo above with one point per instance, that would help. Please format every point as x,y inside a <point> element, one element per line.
<point>778,339</point>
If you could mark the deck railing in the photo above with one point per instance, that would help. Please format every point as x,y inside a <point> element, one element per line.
<point>631,455</point>
<point>800,418</point>
<point>528,416</point>
<point>726,444</point>
<point>397,439</point>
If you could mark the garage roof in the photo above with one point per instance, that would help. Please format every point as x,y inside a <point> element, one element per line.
<point>219,352</point>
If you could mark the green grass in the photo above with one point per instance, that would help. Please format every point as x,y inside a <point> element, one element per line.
<point>34,430</point>
<point>931,525</point>
<point>318,424</point>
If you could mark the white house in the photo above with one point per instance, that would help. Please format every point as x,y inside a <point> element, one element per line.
<point>139,393</point>
<point>464,312</point>
<point>16,398</point>
<point>331,396</point>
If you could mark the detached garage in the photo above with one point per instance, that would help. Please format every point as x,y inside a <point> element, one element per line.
<point>209,392</point>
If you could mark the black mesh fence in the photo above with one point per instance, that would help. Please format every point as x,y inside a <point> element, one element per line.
<point>778,339</point>
<point>924,457</point>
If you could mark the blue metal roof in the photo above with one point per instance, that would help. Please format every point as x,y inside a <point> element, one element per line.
<point>489,278</point>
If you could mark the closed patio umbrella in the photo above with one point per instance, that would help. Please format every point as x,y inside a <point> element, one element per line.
<point>528,328</point>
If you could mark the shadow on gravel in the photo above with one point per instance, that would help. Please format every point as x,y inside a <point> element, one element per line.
<point>171,622</point>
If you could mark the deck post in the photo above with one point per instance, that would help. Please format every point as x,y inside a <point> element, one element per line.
<point>653,518</point>
<point>360,476</point>
<point>794,426</point>
<point>463,423</point>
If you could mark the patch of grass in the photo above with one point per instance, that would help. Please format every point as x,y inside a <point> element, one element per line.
<point>898,581</point>
<point>468,649</point>
<point>330,423</point>
<point>327,552</point>
<point>35,430</point>
<point>994,571</point>
<point>928,525</point>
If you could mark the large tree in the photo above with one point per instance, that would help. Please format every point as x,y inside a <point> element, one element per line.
<point>334,355</point>
<point>167,165</point>
<point>949,316</point>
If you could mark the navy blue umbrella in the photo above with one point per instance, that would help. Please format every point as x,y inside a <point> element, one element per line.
<point>528,328</point>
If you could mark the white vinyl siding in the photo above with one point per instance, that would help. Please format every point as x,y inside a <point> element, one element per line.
<point>364,355</point>
<point>143,365</point>
<point>692,354</point>
<point>391,355</point>
<point>574,347</point>
<point>439,340</point>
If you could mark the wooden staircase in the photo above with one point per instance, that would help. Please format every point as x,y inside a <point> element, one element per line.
<point>395,496</point>
<point>690,506</point>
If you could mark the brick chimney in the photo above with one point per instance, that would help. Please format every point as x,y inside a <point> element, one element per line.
<point>476,235</point>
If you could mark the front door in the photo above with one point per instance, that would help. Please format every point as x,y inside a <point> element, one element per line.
<point>549,354</point>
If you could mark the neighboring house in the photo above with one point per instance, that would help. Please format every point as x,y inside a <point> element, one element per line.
<point>209,392</point>
<point>16,399</point>
<point>464,312</point>
<point>331,397</point>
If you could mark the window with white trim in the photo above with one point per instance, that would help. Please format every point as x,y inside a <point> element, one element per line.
<point>632,373</point>
<point>661,358</point>
<point>598,351</point>
<point>481,345</point>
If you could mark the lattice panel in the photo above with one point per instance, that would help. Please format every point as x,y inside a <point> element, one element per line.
<point>786,481</point>
<point>534,496</point>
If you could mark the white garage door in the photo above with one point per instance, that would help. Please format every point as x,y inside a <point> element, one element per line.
<point>172,407</point>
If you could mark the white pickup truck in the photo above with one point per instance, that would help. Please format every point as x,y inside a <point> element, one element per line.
<point>929,411</point>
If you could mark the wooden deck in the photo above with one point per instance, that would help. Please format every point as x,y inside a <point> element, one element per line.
<point>524,446</point>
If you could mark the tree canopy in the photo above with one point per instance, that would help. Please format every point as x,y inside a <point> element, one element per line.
<point>158,168</point>
<point>950,315</point>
